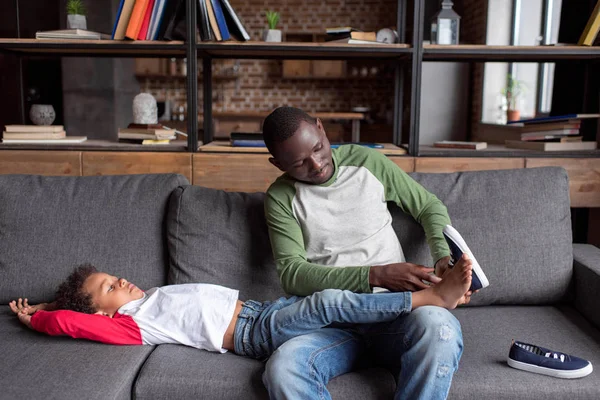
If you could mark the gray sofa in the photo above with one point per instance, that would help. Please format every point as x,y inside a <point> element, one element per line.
<point>157,229</point>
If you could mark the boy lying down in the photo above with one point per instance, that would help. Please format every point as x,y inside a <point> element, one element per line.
<point>97,306</point>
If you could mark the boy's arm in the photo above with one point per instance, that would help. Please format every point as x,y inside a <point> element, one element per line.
<point>121,329</point>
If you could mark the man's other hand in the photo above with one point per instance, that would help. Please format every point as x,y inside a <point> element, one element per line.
<point>402,277</point>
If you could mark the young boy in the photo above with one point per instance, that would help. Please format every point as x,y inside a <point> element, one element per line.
<point>100,307</point>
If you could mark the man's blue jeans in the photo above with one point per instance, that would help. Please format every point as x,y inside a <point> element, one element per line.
<point>313,339</point>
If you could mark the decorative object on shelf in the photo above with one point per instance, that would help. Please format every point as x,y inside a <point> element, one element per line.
<point>272,34</point>
<point>42,114</point>
<point>145,110</point>
<point>513,91</point>
<point>387,35</point>
<point>445,26</point>
<point>76,15</point>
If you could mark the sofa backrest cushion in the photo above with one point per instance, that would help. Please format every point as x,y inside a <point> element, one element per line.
<point>49,225</point>
<point>221,238</point>
<point>516,222</point>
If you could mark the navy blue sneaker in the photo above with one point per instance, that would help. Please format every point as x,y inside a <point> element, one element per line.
<point>547,362</point>
<point>457,248</point>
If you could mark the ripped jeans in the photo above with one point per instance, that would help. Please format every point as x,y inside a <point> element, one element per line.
<point>312,339</point>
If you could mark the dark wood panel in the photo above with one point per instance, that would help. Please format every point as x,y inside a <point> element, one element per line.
<point>115,163</point>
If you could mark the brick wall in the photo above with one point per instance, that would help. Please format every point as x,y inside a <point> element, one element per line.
<point>260,86</point>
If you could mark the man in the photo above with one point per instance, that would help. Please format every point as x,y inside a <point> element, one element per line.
<point>330,228</point>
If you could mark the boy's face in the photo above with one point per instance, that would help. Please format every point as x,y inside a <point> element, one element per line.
<point>109,293</point>
<point>306,155</point>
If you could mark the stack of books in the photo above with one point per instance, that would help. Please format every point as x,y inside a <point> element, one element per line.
<point>551,133</point>
<point>347,34</point>
<point>165,20</point>
<point>38,134</point>
<point>255,139</point>
<point>146,134</point>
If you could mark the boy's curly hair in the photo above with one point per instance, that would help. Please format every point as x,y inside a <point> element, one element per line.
<point>70,294</point>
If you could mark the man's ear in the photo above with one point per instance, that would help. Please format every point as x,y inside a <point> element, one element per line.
<point>320,125</point>
<point>276,163</point>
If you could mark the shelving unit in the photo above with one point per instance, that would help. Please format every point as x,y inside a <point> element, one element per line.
<point>408,56</point>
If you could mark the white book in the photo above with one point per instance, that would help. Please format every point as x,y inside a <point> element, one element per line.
<point>71,34</point>
<point>157,12</point>
<point>66,140</point>
<point>34,128</point>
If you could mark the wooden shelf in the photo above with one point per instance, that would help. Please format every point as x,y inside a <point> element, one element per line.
<point>302,50</point>
<point>85,48</point>
<point>101,145</point>
<point>224,147</point>
<point>182,78</point>
<point>498,150</point>
<point>509,53</point>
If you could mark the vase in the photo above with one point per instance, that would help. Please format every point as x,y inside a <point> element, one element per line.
<point>513,115</point>
<point>76,21</point>
<point>42,114</point>
<point>272,35</point>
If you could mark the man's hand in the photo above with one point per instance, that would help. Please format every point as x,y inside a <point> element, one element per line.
<point>402,277</point>
<point>441,266</point>
<point>25,319</point>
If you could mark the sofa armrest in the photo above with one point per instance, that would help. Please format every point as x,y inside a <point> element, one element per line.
<point>586,275</point>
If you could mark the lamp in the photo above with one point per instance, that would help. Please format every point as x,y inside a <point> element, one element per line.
<point>445,26</point>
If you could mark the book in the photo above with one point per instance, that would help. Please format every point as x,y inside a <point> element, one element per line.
<point>72,34</point>
<point>148,134</point>
<point>33,135</point>
<point>65,140</point>
<point>34,128</point>
<point>341,29</point>
<point>112,36</point>
<point>554,118</point>
<point>220,20</point>
<point>203,22</point>
<point>591,28</point>
<point>551,146</point>
<point>165,20</point>
<point>356,41</point>
<point>136,20</point>
<point>371,36</point>
<point>498,133</point>
<point>155,142</point>
<point>549,126</point>
<point>261,143</point>
<point>176,27</point>
<point>123,19</point>
<point>146,21</point>
<point>246,136</point>
<point>549,134</point>
<point>145,126</point>
<point>455,144</point>
<point>233,21</point>
<point>156,11</point>
<point>213,20</point>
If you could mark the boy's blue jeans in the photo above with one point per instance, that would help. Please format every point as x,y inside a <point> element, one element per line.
<point>312,339</point>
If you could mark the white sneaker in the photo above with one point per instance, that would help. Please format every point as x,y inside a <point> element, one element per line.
<point>457,248</point>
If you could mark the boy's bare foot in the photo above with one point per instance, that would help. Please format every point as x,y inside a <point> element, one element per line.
<point>450,292</point>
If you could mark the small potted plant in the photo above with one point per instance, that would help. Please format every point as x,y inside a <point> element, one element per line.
<point>513,91</point>
<point>272,34</point>
<point>76,15</point>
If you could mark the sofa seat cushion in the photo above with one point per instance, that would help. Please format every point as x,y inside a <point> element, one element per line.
<point>36,366</point>
<point>49,224</point>
<point>178,372</point>
<point>487,331</point>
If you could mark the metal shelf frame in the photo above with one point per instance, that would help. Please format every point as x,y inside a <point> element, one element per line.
<point>408,59</point>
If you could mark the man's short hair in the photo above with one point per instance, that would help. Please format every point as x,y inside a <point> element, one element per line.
<point>70,294</point>
<point>282,124</point>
